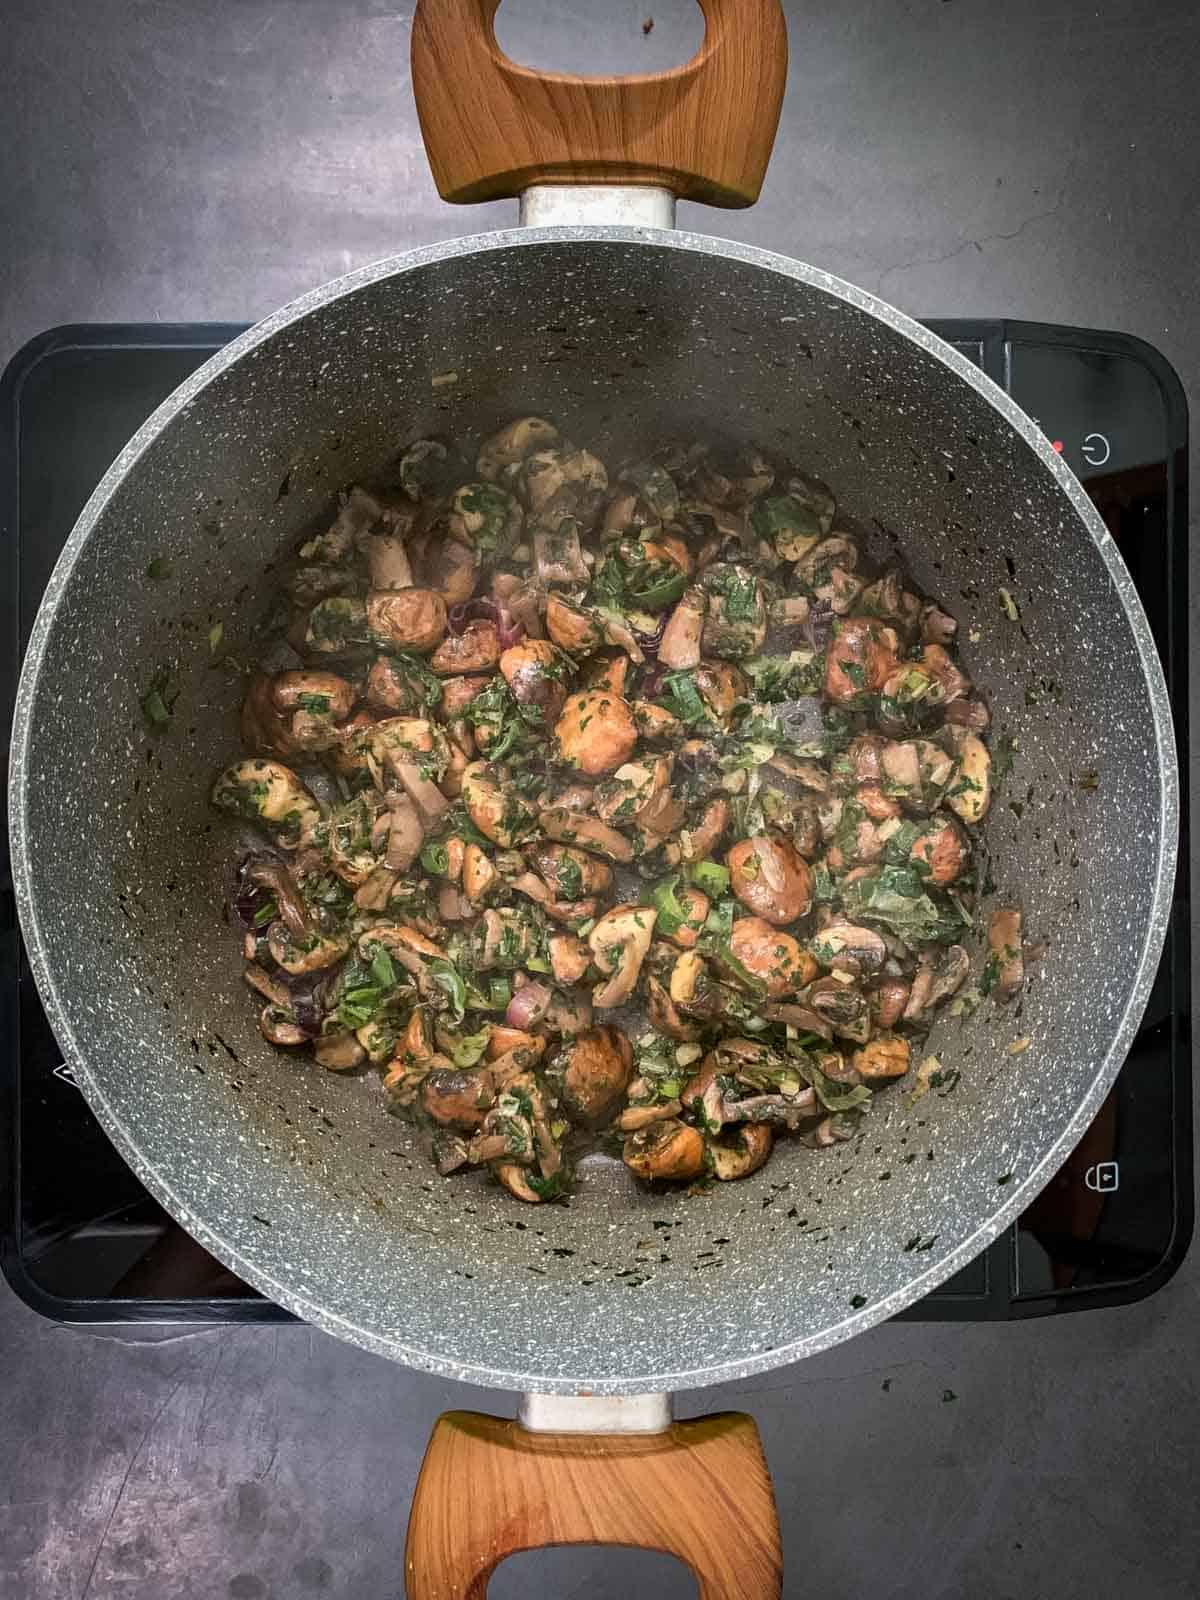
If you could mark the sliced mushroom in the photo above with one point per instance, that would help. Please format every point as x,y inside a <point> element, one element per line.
<point>839,944</point>
<point>698,843</point>
<point>312,955</point>
<point>641,1116</point>
<point>503,816</point>
<point>406,833</point>
<point>949,974</point>
<point>665,1017</point>
<point>534,672</point>
<point>722,687</point>
<point>512,443</point>
<point>270,874</point>
<point>339,1052</point>
<point>1005,970</point>
<point>589,833</point>
<point>888,1000</point>
<point>970,795</point>
<point>680,645</point>
<point>515,1178</point>
<point>671,1151</point>
<point>484,516</point>
<point>596,731</point>
<point>939,851</point>
<point>270,988</point>
<point>741,1150</point>
<point>270,793</point>
<point>619,942</point>
<point>278,1026</point>
<point>859,660</point>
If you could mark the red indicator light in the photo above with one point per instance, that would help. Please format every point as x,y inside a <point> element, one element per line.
<point>1056,444</point>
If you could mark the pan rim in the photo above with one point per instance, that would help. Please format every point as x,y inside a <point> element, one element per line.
<point>1015,1199</point>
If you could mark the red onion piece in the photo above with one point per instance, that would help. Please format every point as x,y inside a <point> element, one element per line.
<point>528,1006</point>
<point>649,642</point>
<point>818,630</point>
<point>653,681</point>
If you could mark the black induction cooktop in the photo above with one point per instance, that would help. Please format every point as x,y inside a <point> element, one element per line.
<point>81,1240</point>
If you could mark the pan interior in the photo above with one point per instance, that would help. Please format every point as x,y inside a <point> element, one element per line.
<point>297,1177</point>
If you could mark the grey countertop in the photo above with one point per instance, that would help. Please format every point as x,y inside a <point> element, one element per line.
<point>208,161</point>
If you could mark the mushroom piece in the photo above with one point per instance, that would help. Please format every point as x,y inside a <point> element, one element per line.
<point>277,1026</point>
<point>844,1007</point>
<point>887,1056</point>
<point>680,645</point>
<point>698,843</point>
<point>888,1000</point>
<point>392,688</point>
<point>512,443</point>
<point>735,625</point>
<point>949,974</point>
<point>312,955</point>
<point>860,658</point>
<point>619,942</point>
<point>270,988</point>
<point>774,958</point>
<point>336,626</point>
<point>449,1153</point>
<point>937,626</point>
<point>322,692</point>
<point>411,619</point>
<point>595,732</point>
<point>671,1151</point>
<point>839,944</point>
<point>556,483</point>
<point>665,1017</point>
<point>722,687</point>
<point>788,524</point>
<point>484,516</point>
<point>594,1071</point>
<point>571,827</point>
<point>570,873</point>
<point>740,1151</point>
<point>939,851</point>
<point>503,940</point>
<point>533,671</point>
<point>569,958</point>
<point>339,1052</point>
<point>558,556</point>
<point>515,1178</point>
<point>633,790</point>
<point>406,833</point>
<point>475,649</point>
<point>641,1116</point>
<point>656,722</point>
<point>503,816</point>
<point>270,874</point>
<point>770,878</point>
<point>479,876</point>
<point>270,793</point>
<point>571,627</point>
<point>970,795</point>
<point>1005,970</point>
<point>387,559</point>
<point>457,1100</point>
<point>971,714</point>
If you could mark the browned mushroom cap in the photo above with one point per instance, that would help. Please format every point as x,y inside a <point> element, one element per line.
<point>270,988</point>
<point>860,658</point>
<point>722,687</point>
<point>571,627</point>
<point>937,627</point>
<point>277,1026</point>
<point>558,555</point>
<point>970,794</point>
<point>680,646</point>
<point>671,1151</point>
<point>769,955</point>
<point>740,1150</point>
<point>503,939</point>
<point>842,944</point>
<point>595,1071</point>
<point>843,1005</point>
<point>265,730</point>
<point>886,1056</point>
<point>1005,970</point>
<point>479,876</point>
<point>534,672</point>
<point>338,1052</point>
<point>323,692</point>
<point>390,688</point>
<point>570,872</point>
<point>589,833</point>
<point>475,649</point>
<point>771,878</point>
<point>596,731</point>
<point>619,942</point>
<point>449,1152</point>
<point>413,619</point>
<point>457,1100</point>
<point>698,843</point>
<point>630,795</point>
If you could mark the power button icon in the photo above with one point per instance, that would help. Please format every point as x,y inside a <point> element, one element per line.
<point>1095,449</point>
<point>1103,1178</point>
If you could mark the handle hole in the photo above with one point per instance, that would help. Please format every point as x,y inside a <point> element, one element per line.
<point>553,35</point>
<point>593,1572</point>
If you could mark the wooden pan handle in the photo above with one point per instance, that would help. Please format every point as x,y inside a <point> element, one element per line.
<point>489,1488</point>
<point>703,130</point>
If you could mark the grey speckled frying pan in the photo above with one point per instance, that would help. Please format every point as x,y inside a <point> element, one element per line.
<point>602,316</point>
